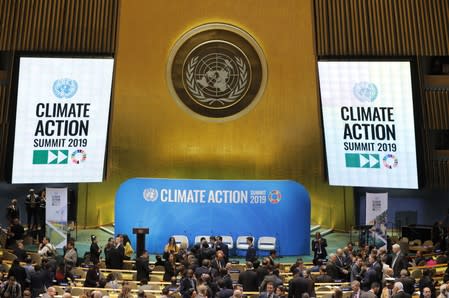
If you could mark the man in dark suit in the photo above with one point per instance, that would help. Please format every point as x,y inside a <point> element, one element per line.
<point>93,276</point>
<point>323,277</point>
<point>262,270</point>
<point>251,252</point>
<point>20,252</point>
<point>319,245</point>
<point>399,261</point>
<point>187,284</point>
<point>18,272</point>
<point>408,283</point>
<point>300,285</point>
<point>218,262</point>
<point>38,279</point>
<point>372,293</point>
<point>116,254</point>
<point>269,293</point>
<point>398,291</point>
<point>219,245</point>
<point>143,266</point>
<point>356,291</point>
<point>248,279</point>
<point>371,275</point>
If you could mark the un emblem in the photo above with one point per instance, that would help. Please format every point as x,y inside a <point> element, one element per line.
<point>365,91</point>
<point>65,88</point>
<point>216,71</point>
<point>150,194</point>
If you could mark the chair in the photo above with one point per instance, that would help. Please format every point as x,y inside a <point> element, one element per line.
<point>241,242</point>
<point>266,243</point>
<point>428,243</point>
<point>228,241</point>
<point>7,256</point>
<point>182,241</point>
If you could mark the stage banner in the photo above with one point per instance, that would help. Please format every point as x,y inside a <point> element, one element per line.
<point>376,215</point>
<point>277,208</point>
<point>56,216</point>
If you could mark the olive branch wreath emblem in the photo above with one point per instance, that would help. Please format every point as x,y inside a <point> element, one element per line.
<point>198,93</point>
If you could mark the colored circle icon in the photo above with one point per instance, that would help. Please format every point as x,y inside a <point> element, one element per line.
<point>78,156</point>
<point>275,196</point>
<point>390,161</point>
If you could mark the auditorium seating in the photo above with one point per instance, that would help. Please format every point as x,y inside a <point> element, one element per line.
<point>241,242</point>
<point>266,243</point>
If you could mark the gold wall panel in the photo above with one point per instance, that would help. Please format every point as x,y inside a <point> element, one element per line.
<point>280,138</point>
<point>382,27</point>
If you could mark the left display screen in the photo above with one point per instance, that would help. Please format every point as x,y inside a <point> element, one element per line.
<point>62,119</point>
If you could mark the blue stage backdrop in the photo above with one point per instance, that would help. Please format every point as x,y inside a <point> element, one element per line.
<point>279,208</point>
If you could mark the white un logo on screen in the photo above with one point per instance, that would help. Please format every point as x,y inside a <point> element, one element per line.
<point>65,88</point>
<point>150,194</point>
<point>365,91</point>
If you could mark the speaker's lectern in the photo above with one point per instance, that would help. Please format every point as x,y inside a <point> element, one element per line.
<point>140,236</point>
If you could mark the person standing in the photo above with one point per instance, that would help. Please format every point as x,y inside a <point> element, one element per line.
<point>319,245</point>
<point>31,203</point>
<point>12,211</point>
<point>95,250</point>
<point>41,212</point>
<point>143,266</point>
<point>251,251</point>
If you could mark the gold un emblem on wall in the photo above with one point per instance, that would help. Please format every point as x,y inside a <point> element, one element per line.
<point>217,71</point>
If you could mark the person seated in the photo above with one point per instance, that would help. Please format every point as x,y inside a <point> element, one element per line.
<point>159,261</point>
<point>112,282</point>
<point>323,277</point>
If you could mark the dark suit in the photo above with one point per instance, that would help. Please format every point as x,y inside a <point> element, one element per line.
<point>261,271</point>
<point>401,294</point>
<point>333,271</point>
<point>266,295</point>
<point>37,282</point>
<point>249,281</point>
<point>398,263</point>
<point>319,248</point>
<point>408,284</point>
<point>370,277</point>
<point>19,273</point>
<point>299,285</point>
<point>251,253</point>
<point>323,278</point>
<point>20,253</point>
<point>218,264</point>
<point>116,256</point>
<point>142,268</point>
<point>92,277</point>
<point>224,248</point>
<point>185,285</point>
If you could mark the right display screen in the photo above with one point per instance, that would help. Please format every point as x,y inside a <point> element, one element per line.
<point>368,122</point>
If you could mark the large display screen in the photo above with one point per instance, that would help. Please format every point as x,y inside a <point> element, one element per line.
<point>368,121</point>
<point>62,119</point>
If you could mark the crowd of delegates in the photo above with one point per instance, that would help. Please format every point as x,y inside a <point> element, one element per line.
<point>376,272</point>
<point>205,271</point>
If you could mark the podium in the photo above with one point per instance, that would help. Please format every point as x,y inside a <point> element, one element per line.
<point>140,239</point>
